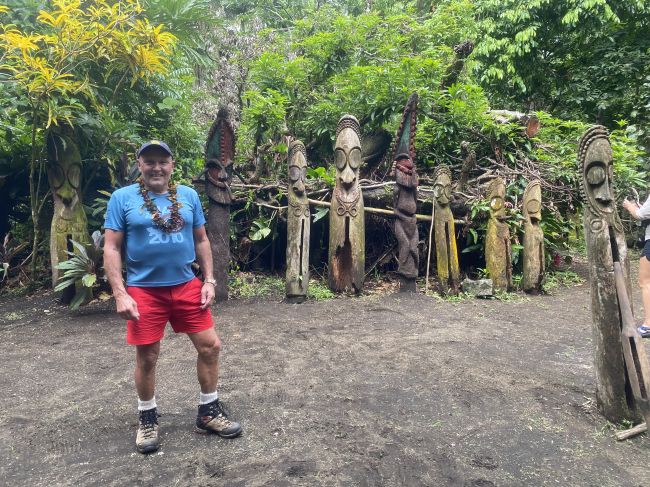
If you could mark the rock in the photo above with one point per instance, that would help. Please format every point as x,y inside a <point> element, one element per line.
<point>481,288</point>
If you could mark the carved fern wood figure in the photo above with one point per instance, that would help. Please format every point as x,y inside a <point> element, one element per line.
<point>298,222</point>
<point>219,156</point>
<point>445,232</point>
<point>405,197</point>
<point>498,255</point>
<point>605,247</point>
<point>347,227</point>
<point>533,270</point>
<point>69,220</point>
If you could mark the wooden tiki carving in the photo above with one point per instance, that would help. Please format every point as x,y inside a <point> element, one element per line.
<point>69,221</point>
<point>445,232</point>
<point>347,227</point>
<point>498,255</point>
<point>534,263</point>
<point>405,197</point>
<point>605,244</point>
<point>298,222</point>
<point>219,156</point>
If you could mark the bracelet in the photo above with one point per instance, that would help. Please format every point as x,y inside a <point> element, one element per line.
<point>210,281</point>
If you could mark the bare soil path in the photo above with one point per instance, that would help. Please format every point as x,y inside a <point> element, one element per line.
<point>382,390</point>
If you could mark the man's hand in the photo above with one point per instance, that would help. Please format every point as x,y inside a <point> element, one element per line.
<point>127,308</point>
<point>207,295</point>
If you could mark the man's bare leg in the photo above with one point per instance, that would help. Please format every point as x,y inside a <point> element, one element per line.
<point>644,284</point>
<point>208,346</point>
<point>145,370</point>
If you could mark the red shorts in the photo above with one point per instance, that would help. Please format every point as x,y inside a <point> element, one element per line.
<point>180,305</point>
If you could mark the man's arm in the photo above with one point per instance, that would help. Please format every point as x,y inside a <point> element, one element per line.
<point>126,306</point>
<point>204,258</point>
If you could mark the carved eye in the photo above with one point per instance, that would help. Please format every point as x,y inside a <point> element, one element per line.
<point>57,176</point>
<point>74,175</point>
<point>496,204</point>
<point>355,158</point>
<point>340,159</point>
<point>294,173</point>
<point>596,175</point>
<point>438,190</point>
<point>533,206</point>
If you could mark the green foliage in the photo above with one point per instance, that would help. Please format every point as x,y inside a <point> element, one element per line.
<point>579,58</point>
<point>80,270</point>
<point>319,291</point>
<point>248,285</point>
<point>556,279</point>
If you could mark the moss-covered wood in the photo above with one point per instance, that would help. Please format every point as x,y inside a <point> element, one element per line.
<point>298,225</point>
<point>498,253</point>
<point>347,227</point>
<point>69,220</point>
<point>533,252</point>
<point>605,243</point>
<point>445,233</point>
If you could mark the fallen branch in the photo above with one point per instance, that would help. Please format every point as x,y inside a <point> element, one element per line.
<point>629,433</point>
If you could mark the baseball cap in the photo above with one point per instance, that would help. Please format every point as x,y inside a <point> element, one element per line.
<point>154,143</point>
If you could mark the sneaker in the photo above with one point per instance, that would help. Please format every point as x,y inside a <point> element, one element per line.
<point>213,419</point>
<point>146,439</point>
<point>644,331</point>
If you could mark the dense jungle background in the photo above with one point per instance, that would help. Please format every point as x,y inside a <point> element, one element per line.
<point>506,88</point>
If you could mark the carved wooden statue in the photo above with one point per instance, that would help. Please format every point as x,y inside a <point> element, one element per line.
<point>405,197</point>
<point>347,253</point>
<point>445,232</point>
<point>219,156</point>
<point>69,221</point>
<point>534,263</point>
<point>498,255</point>
<point>605,245</point>
<point>298,222</point>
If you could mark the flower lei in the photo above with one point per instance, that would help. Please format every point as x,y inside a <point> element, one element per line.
<point>175,221</point>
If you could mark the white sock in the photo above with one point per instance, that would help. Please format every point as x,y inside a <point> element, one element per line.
<point>146,405</point>
<point>208,398</point>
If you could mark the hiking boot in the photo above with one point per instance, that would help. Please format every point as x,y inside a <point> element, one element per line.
<point>146,439</point>
<point>213,419</point>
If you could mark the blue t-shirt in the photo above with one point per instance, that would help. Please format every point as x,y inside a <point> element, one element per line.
<point>154,257</point>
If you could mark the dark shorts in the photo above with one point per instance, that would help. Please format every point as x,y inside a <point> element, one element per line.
<point>179,305</point>
<point>646,250</point>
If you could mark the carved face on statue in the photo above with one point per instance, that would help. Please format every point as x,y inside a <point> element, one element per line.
<point>595,153</point>
<point>405,173</point>
<point>64,169</point>
<point>442,185</point>
<point>347,155</point>
<point>219,156</point>
<point>532,205</point>
<point>297,168</point>
<point>497,192</point>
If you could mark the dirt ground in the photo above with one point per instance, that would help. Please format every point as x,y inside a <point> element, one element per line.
<point>380,390</point>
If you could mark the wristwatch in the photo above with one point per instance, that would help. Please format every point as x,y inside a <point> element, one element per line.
<point>210,281</point>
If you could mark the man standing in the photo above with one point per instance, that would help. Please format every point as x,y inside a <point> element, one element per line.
<point>161,228</point>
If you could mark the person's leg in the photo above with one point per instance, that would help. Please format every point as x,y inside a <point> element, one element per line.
<point>644,284</point>
<point>146,357</point>
<point>208,346</point>
<point>211,417</point>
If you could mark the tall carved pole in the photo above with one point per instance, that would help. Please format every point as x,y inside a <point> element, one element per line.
<point>69,221</point>
<point>498,255</point>
<point>347,252</point>
<point>405,197</point>
<point>298,226</point>
<point>445,232</point>
<point>605,245</point>
<point>219,156</point>
<point>534,263</point>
